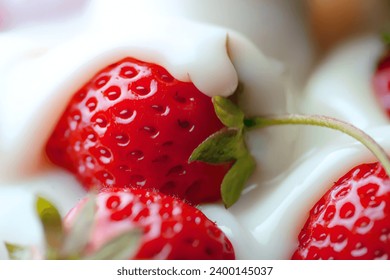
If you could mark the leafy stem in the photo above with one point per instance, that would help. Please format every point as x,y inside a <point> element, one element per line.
<point>228,145</point>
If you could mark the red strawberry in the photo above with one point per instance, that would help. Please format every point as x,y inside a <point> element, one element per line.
<point>352,220</point>
<point>381,83</point>
<point>171,228</point>
<point>134,125</point>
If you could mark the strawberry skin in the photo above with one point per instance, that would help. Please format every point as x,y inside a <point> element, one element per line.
<point>352,220</point>
<point>172,229</point>
<point>381,83</point>
<point>134,125</point>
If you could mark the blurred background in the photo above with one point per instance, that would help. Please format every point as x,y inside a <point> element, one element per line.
<point>14,13</point>
<point>288,30</point>
<point>331,21</point>
<point>328,21</point>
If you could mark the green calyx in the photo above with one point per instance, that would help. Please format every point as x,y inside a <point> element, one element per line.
<point>72,244</point>
<point>228,145</point>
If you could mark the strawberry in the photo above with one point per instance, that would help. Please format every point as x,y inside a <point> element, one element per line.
<point>126,224</point>
<point>351,220</point>
<point>381,83</point>
<point>171,228</point>
<point>134,125</point>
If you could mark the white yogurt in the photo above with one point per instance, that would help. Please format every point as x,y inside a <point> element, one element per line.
<point>42,65</point>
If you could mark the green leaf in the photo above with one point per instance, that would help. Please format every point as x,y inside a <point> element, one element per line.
<point>122,247</point>
<point>18,252</point>
<point>220,147</point>
<point>79,235</point>
<point>228,112</point>
<point>228,145</point>
<point>234,181</point>
<point>51,221</point>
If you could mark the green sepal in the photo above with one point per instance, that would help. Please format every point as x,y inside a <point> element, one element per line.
<point>121,247</point>
<point>51,222</point>
<point>72,244</point>
<point>18,252</point>
<point>228,112</point>
<point>234,181</point>
<point>228,146</point>
<point>220,147</point>
<point>78,236</point>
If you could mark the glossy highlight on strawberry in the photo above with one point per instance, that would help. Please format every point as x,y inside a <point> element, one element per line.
<point>134,125</point>
<point>172,229</point>
<point>352,220</point>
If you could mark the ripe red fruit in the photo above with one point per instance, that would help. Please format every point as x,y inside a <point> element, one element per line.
<point>381,83</point>
<point>134,125</point>
<point>171,228</point>
<point>352,219</point>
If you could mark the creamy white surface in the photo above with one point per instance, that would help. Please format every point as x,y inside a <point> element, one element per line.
<point>44,64</point>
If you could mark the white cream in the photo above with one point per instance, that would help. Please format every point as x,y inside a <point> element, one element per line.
<point>341,87</point>
<point>43,65</point>
<point>18,221</point>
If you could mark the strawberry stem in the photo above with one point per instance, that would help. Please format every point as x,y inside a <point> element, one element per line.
<point>323,121</point>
